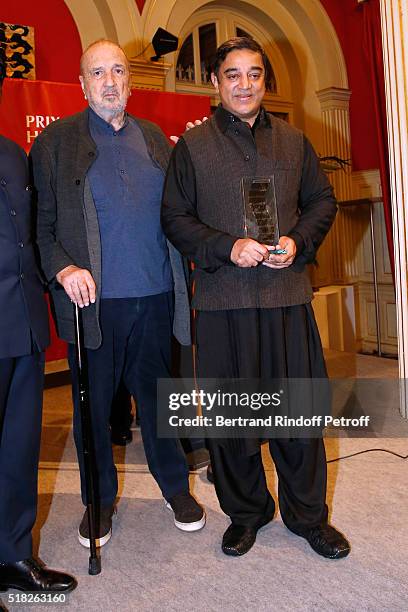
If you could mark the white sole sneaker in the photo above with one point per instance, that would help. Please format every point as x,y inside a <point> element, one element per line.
<point>99,541</point>
<point>196,526</point>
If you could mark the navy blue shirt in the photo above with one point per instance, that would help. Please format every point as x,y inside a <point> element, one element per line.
<point>127,189</point>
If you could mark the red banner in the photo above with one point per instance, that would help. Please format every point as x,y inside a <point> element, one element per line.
<point>29,106</point>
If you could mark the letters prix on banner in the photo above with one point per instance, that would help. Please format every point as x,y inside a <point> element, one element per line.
<point>29,106</point>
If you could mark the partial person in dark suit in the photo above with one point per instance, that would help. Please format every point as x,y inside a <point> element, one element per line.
<point>23,337</point>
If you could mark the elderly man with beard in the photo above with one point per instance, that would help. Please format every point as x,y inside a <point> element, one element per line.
<point>99,176</point>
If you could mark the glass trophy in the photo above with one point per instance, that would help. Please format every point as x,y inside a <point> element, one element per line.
<point>260,210</point>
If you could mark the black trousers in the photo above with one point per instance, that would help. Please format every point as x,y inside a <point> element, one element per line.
<point>121,413</point>
<point>262,343</point>
<point>21,388</point>
<point>136,348</point>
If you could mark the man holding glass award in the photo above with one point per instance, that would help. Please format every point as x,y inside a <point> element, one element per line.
<point>246,201</point>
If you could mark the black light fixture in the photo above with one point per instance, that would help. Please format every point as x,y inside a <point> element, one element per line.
<point>163,42</point>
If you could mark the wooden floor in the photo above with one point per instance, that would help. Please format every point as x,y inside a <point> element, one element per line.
<point>354,365</point>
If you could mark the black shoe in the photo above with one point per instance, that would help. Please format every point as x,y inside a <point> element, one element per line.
<point>327,541</point>
<point>121,437</point>
<point>29,575</point>
<point>103,527</point>
<point>188,514</point>
<point>238,539</point>
<point>210,474</point>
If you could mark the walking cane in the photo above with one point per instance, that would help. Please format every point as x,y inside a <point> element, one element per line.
<point>87,440</point>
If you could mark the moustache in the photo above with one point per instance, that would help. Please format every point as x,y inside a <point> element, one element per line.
<point>109,91</point>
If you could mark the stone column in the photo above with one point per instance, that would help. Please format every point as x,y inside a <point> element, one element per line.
<point>336,135</point>
<point>394,22</point>
<point>339,251</point>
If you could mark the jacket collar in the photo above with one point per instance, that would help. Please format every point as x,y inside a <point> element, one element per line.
<point>101,125</point>
<point>88,149</point>
<point>83,130</point>
<point>83,125</point>
<point>225,119</point>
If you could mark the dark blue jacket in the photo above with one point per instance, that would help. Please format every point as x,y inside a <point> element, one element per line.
<point>23,311</point>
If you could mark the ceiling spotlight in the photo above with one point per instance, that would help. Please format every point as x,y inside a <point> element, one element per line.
<point>163,42</point>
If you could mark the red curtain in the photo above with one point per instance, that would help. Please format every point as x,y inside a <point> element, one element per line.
<point>140,5</point>
<point>373,50</point>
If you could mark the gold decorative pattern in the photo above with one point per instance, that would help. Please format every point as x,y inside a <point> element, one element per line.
<point>17,42</point>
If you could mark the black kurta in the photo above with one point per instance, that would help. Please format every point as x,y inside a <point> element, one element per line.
<point>210,248</point>
<point>256,342</point>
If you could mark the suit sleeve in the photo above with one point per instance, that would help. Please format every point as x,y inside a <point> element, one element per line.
<point>205,246</point>
<point>317,207</point>
<point>53,256</point>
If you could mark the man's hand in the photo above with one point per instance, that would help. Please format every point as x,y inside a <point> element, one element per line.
<point>247,253</point>
<point>192,124</point>
<point>189,125</point>
<point>78,284</point>
<point>282,261</point>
